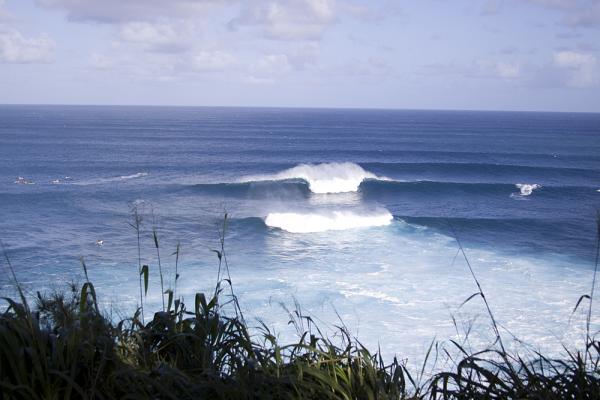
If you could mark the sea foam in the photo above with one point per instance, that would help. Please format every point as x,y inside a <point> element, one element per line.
<point>321,222</point>
<point>527,188</point>
<point>325,177</point>
<point>133,176</point>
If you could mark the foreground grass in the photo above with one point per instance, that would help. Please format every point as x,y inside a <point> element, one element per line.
<point>63,347</point>
<point>66,349</point>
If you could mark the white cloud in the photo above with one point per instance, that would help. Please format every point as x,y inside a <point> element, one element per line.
<point>478,69</point>
<point>372,12</point>
<point>119,11</point>
<point>157,67</point>
<point>271,65</point>
<point>507,70</point>
<point>207,61</point>
<point>268,68</point>
<point>305,56</point>
<point>582,70</point>
<point>369,67</point>
<point>493,69</point>
<point>15,48</point>
<point>575,13</point>
<point>159,37</point>
<point>100,62</point>
<point>573,59</point>
<point>287,20</point>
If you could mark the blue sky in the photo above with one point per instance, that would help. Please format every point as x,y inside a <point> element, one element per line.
<point>428,54</point>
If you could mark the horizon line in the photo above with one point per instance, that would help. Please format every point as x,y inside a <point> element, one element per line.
<point>291,107</point>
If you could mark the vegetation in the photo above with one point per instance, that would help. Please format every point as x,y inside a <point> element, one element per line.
<point>63,347</point>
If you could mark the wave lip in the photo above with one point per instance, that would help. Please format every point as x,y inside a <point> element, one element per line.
<point>321,222</point>
<point>326,177</point>
<point>527,188</point>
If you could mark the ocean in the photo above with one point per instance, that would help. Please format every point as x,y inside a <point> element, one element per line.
<point>352,215</point>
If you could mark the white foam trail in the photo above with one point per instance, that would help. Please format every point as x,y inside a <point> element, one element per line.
<point>325,177</point>
<point>133,176</point>
<point>96,181</point>
<point>321,222</point>
<point>527,188</point>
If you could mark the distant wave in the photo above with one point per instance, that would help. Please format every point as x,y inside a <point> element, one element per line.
<point>321,222</point>
<point>527,188</point>
<point>477,167</point>
<point>291,188</point>
<point>498,172</point>
<point>133,176</point>
<point>559,233</point>
<point>375,189</point>
<point>325,177</point>
<point>96,181</point>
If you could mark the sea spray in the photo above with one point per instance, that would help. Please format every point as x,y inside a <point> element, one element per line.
<point>326,177</point>
<point>526,188</point>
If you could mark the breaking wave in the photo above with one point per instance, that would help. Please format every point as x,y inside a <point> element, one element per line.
<point>325,177</point>
<point>527,188</point>
<point>321,222</point>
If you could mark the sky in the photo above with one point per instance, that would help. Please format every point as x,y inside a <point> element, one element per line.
<point>539,55</point>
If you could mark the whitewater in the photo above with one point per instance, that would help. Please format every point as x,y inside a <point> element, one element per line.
<point>321,222</point>
<point>324,177</point>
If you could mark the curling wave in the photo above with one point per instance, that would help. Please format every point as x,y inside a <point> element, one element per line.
<point>321,222</point>
<point>325,177</point>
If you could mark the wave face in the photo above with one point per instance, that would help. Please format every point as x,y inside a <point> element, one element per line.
<point>257,190</point>
<point>325,177</point>
<point>485,172</point>
<point>382,189</point>
<point>334,221</point>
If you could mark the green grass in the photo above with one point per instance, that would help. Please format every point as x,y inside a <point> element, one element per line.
<point>62,346</point>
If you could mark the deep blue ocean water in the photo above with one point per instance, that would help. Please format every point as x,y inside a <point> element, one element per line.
<point>348,211</point>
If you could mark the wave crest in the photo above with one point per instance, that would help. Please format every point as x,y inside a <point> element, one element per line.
<point>99,181</point>
<point>321,222</point>
<point>325,177</point>
<point>527,188</point>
